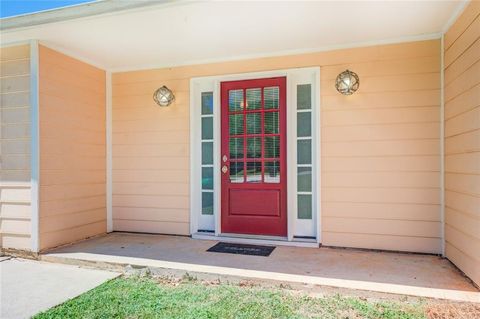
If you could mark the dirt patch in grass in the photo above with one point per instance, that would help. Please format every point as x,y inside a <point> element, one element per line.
<point>448,310</point>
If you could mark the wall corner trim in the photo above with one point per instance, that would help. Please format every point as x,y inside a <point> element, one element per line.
<point>35,145</point>
<point>456,13</point>
<point>442,143</point>
<point>73,54</point>
<point>108,140</point>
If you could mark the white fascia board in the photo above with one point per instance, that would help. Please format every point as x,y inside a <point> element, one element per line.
<point>78,11</point>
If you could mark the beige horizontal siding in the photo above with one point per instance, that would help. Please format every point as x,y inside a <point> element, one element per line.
<point>15,113</point>
<point>149,226</point>
<point>71,234</point>
<point>384,242</point>
<point>462,142</point>
<point>415,163</point>
<point>399,211</point>
<point>380,147</point>
<point>388,195</point>
<point>15,187</point>
<point>15,215</point>
<point>72,146</point>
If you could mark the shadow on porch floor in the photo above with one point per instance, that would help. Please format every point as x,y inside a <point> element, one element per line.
<point>386,272</point>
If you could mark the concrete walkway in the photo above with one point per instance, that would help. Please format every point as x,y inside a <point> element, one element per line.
<point>28,287</point>
<point>385,272</point>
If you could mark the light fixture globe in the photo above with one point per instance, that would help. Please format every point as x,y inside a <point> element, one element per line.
<point>347,82</point>
<point>163,96</point>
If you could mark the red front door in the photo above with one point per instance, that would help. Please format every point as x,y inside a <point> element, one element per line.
<point>253,159</point>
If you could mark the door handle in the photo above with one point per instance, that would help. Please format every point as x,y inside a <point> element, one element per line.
<point>224,169</point>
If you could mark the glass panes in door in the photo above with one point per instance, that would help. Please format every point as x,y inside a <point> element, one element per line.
<point>254,135</point>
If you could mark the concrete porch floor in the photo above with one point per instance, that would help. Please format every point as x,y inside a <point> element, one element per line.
<point>385,272</point>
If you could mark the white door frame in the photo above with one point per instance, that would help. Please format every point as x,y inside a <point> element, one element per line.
<point>212,84</point>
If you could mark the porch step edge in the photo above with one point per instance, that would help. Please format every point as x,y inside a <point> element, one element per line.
<point>121,263</point>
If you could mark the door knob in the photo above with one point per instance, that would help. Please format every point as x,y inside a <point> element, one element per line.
<point>224,169</point>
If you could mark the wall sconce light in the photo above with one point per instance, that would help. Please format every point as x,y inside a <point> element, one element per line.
<point>347,82</point>
<point>163,96</point>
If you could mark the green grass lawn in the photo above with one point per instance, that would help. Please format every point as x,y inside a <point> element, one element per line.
<point>136,297</point>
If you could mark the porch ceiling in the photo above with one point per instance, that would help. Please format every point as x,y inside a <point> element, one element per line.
<point>185,32</point>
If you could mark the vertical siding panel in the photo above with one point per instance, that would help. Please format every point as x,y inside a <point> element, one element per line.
<point>462,127</point>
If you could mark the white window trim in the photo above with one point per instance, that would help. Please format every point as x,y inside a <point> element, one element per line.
<point>304,227</point>
<point>212,83</point>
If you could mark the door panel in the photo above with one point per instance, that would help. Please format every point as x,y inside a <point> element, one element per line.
<point>253,156</point>
<point>265,202</point>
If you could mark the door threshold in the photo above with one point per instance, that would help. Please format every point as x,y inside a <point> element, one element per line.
<point>256,240</point>
<point>250,236</point>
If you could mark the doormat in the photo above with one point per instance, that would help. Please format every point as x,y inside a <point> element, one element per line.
<point>242,249</point>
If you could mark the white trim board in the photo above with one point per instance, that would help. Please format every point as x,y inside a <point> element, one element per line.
<point>205,222</point>
<point>87,10</point>
<point>442,144</point>
<point>15,43</point>
<point>317,191</point>
<point>212,83</point>
<point>108,141</point>
<point>34,146</point>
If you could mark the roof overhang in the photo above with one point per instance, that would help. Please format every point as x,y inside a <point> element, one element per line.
<point>128,35</point>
